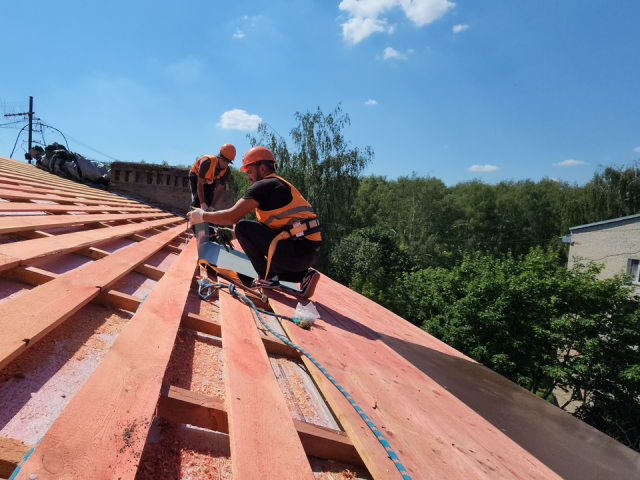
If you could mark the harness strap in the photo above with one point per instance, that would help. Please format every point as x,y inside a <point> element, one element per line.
<point>299,229</point>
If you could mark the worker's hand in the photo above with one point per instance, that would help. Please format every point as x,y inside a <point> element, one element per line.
<point>227,233</point>
<point>209,209</point>
<point>205,207</point>
<point>196,217</point>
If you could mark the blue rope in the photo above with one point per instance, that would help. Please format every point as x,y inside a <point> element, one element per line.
<point>232,289</point>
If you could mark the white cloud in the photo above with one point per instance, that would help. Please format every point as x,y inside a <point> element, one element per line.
<point>370,102</point>
<point>411,50</point>
<point>186,70</point>
<point>358,28</point>
<point>391,53</point>
<point>637,149</point>
<point>460,28</point>
<point>363,15</point>
<point>483,168</point>
<point>238,34</point>
<point>239,120</point>
<point>569,163</point>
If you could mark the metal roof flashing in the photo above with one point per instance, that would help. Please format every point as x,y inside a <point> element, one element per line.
<point>613,220</point>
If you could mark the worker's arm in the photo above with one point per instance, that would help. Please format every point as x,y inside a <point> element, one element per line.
<point>201,191</point>
<point>230,216</point>
<point>217,195</point>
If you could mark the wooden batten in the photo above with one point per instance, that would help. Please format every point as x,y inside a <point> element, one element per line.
<point>102,431</point>
<point>264,440</point>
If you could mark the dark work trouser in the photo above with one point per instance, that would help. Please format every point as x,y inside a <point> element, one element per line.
<point>209,190</point>
<point>291,259</point>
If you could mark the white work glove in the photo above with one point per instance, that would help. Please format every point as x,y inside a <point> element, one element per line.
<point>204,207</point>
<point>196,217</point>
<point>209,209</point>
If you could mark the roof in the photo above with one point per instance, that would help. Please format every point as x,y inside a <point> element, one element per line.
<point>258,411</point>
<point>606,222</point>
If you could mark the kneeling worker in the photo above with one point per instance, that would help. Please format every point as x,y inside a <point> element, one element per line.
<point>284,243</point>
<point>208,177</point>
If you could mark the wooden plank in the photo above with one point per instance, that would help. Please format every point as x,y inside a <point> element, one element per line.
<point>55,208</point>
<point>21,196</point>
<point>27,318</point>
<point>9,178</point>
<point>11,454</point>
<point>434,434</point>
<point>102,431</point>
<point>26,172</point>
<point>32,222</point>
<point>183,406</point>
<point>202,324</point>
<point>7,184</point>
<point>263,438</point>
<point>96,254</point>
<point>31,251</point>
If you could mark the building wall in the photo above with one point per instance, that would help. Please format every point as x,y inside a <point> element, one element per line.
<point>611,244</point>
<point>161,185</point>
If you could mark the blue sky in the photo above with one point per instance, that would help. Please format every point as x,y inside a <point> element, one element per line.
<point>522,89</point>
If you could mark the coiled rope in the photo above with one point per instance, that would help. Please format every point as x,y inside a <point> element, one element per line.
<point>207,289</point>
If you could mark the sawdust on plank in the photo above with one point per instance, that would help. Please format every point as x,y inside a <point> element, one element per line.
<point>196,364</point>
<point>170,458</point>
<point>292,385</point>
<point>76,335</point>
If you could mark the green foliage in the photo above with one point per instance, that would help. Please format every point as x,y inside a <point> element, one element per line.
<point>323,167</point>
<point>540,325</point>
<point>368,261</point>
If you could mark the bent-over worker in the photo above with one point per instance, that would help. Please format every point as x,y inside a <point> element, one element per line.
<point>208,177</point>
<point>284,243</point>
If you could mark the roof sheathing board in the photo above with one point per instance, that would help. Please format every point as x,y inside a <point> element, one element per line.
<point>369,349</point>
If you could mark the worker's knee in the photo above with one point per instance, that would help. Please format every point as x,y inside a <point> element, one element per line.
<point>243,228</point>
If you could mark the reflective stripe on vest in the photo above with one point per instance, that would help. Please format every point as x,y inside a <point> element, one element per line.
<point>296,211</point>
<point>209,177</point>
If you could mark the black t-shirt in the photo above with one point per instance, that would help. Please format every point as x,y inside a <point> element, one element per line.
<point>271,193</point>
<point>205,165</point>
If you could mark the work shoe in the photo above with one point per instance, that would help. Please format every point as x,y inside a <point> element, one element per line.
<point>309,282</point>
<point>269,283</point>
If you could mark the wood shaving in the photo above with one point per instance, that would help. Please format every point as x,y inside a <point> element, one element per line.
<point>196,364</point>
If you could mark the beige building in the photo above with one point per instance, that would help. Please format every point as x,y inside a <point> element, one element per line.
<point>614,243</point>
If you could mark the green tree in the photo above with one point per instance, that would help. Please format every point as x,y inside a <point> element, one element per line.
<point>369,261</point>
<point>323,167</point>
<point>540,325</point>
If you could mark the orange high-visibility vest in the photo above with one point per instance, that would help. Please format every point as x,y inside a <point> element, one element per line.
<point>286,217</point>
<point>210,177</point>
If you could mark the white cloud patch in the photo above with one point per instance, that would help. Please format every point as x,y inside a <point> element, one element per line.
<point>391,53</point>
<point>569,163</point>
<point>238,34</point>
<point>460,28</point>
<point>370,102</point>
<point>411,50</point>
<point>637,149</point>
<point>239,120</point>
<point>186,70</point>
<point>363,15</point>
<point>483,168</point>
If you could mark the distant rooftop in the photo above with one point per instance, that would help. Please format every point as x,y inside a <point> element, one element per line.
<point>613,220</point>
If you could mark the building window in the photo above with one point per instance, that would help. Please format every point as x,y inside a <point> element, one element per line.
<point>169,178</point>
<point>632,269</point>
<point>159,178</point>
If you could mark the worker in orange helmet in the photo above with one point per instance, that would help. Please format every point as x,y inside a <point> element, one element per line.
<point>208,177</point>
<point>284,243</point>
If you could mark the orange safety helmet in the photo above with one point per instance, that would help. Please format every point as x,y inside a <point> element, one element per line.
<point>228,151</point>
<point>257,154</point>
